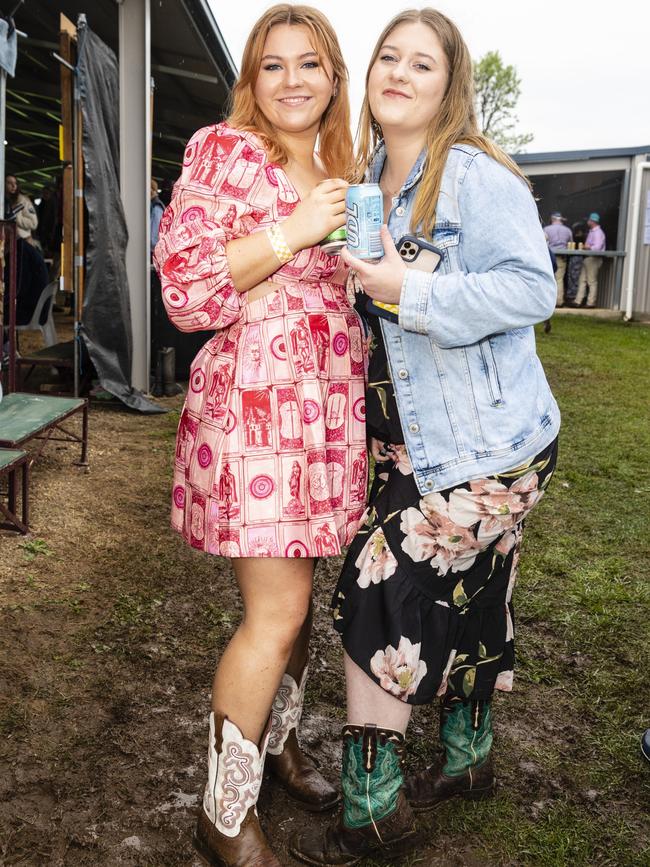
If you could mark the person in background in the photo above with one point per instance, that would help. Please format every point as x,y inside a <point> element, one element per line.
<point>31,279</point>
<point>558,236</point>
<point>47,214</point>
<point>547,324</point>
<point>574,265</point>
<point>156,209</point>
<point>596,241</point>
<point>165,191</point>
<point>17,202</point>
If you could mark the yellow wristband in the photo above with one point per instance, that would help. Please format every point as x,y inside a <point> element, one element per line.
<point>279,243</point>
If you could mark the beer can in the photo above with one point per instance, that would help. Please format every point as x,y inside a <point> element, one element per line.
<point>364,212</point>
<point>334,242</point>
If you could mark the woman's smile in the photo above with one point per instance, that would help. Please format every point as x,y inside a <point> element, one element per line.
<point>293,101</point>
<point>392,93</point>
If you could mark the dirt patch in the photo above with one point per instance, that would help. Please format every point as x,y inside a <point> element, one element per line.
<point>109,632</point>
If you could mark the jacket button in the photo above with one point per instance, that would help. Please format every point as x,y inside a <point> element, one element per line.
<point>403,374</point>
<point>414,427</point>
<point>428,483</point>
<point>400,211</point>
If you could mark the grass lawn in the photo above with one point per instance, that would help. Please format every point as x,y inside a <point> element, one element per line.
<point>110,626</point>
<point>583,609</point>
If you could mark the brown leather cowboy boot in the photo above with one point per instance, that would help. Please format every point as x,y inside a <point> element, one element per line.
<point>376,819</point>
<point>286,761</point>
<point>228,832</point>
<point>465,770</point>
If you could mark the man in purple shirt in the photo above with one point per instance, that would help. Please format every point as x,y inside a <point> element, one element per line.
<point>591,265</point>
<point>558,236</point>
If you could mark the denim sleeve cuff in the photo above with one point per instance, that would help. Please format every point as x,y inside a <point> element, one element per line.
<point>414,300</point>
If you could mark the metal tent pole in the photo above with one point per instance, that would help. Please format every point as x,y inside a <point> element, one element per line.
<point>7,230</point>
<point>3,125</point>
<point>11,252</point>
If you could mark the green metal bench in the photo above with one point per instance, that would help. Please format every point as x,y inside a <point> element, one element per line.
<point>24,417</point>
<point>12,460</point>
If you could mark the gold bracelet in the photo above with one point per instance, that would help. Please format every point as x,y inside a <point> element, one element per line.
<point>279,243</point>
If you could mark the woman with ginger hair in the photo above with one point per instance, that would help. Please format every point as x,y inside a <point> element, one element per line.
<point>262,466</point>
<point>464,430</point>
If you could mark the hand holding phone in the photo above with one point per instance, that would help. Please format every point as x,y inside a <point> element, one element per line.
<point>415,253</point>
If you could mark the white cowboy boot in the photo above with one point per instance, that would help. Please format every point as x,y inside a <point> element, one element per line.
<point>286,761</point>
<point>228,832</point>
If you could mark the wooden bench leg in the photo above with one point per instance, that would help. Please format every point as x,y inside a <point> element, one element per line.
<point>9,511</point>
<point>26,494</point>
<point>11,491</point>
<point>84,437</point>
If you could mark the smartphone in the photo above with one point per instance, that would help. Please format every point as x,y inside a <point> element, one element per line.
<point>415,253</point>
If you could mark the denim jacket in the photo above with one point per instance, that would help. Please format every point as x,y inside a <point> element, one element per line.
<point>472,396</point>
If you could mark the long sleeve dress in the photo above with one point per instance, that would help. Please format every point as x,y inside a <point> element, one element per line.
<point>270,454</point>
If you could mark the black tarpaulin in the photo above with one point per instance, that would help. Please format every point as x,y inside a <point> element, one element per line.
<point>106,315</point>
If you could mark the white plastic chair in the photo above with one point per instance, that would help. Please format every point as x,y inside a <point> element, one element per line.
<point>47,330</point>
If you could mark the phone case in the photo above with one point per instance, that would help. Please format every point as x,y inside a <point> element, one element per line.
<point>418,253</point>
<point>415,253</point>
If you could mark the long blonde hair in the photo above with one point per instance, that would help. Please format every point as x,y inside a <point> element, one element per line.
<point>454,122</point>
<point>335,138</point>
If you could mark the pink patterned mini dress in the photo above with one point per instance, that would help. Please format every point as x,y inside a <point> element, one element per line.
<point>271,447</point>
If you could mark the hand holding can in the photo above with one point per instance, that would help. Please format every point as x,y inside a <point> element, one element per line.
<point>364,211</point>
<point>320,212</point>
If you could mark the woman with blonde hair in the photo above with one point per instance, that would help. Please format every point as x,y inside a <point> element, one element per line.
<point>273,422</point>
<point>463,427</point>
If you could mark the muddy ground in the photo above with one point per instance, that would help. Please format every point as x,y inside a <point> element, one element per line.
<point>109,631</point>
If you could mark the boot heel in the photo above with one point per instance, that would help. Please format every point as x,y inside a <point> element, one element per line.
<point>204,853</point>
<point>404,845</point>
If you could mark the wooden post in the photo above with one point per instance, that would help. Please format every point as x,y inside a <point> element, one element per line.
<point>73,193</point>
<point>68,51</point>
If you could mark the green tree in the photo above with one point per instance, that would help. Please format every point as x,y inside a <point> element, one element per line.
<point>497,89</point>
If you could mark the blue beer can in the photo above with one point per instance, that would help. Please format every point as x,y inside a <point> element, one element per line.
<point>364,212</point>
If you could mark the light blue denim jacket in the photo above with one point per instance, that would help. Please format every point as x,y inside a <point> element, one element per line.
<point>471,392</point>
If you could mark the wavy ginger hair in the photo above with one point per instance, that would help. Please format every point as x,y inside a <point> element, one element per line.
<point>335,138</point>
<point>454,122</point>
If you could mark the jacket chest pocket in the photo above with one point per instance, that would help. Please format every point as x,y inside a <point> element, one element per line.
<point>491,372</point>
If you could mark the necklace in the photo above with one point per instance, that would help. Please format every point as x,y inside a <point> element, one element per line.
<point>385,189</point>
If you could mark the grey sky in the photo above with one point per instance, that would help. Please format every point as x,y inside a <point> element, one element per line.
<point>585,67</point>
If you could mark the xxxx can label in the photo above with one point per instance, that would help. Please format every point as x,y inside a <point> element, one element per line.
<point>364,212</point>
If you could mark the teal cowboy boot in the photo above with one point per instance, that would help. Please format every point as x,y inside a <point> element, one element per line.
<point>376,818</point>
<point>465,769</point>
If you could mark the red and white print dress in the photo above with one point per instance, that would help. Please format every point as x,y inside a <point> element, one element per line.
<point>271,446</point>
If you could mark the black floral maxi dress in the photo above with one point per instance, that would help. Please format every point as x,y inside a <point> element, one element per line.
<point>424,600</point>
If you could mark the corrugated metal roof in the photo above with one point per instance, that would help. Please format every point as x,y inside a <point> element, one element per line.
<point>566,156</point>
<point>190,63</point>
